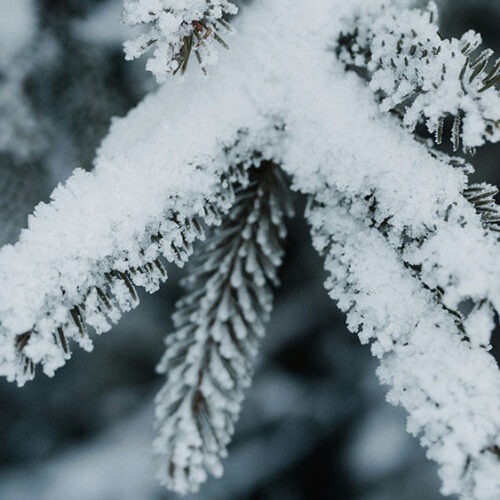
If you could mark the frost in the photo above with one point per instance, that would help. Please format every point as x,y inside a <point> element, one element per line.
<point>407,240</point>
<point>177,28</point>
<point>432,372</point>
<point>208,362</point>
<point>424,76</point>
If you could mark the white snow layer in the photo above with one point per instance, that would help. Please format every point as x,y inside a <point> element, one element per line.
<point>166,157</point>
<point>408,57</point>
<point>172,27</point>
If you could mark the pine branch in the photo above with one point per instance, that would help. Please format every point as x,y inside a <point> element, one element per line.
<point>100,298</point>
<point>177,32</point>
<point>395,223</point>
<point>480,195</point>
<point>219,324</point>
<point>423,77</point>
<point>105,300</point>
<point>105,232</point>
<point>414,67</point>
<point>431,371</point>
<point>466,326</point>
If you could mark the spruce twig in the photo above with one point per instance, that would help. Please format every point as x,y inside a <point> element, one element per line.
<point>219,324</point>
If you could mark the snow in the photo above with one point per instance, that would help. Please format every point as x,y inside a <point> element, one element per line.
<point>382,205</point>
<point>430,77</point>
<point>172,23</point>
<point>432,372</point>
<point>218,326</point>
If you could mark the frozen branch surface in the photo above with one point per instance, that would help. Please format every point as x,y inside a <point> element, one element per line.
<point>430,77</point>
<point>175,28</point>
<point>404,246</point>
<point>219,324</point>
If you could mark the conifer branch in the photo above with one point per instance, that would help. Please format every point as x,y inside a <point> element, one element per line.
<point>480,195</point>
<point>404,241</point>
<point>110,290</point>
<point>175,33</point>
<point>219,324</point>
<point>423,77</point>
<point>418,68</point>
<point>106,299</point>
<point>482,198</point>
<point>426,355</point>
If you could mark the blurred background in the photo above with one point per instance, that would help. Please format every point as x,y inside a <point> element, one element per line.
<point>315,423</point>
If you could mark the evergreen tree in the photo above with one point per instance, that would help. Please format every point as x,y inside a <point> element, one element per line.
<point>409,241</point>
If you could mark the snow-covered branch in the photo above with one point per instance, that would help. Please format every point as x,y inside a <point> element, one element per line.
<point>402,229</point>
<point>432,372</point>
<point>219,324</point>
<point>101,246</point>
<point>176,29</point>
<point>425,77</point>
